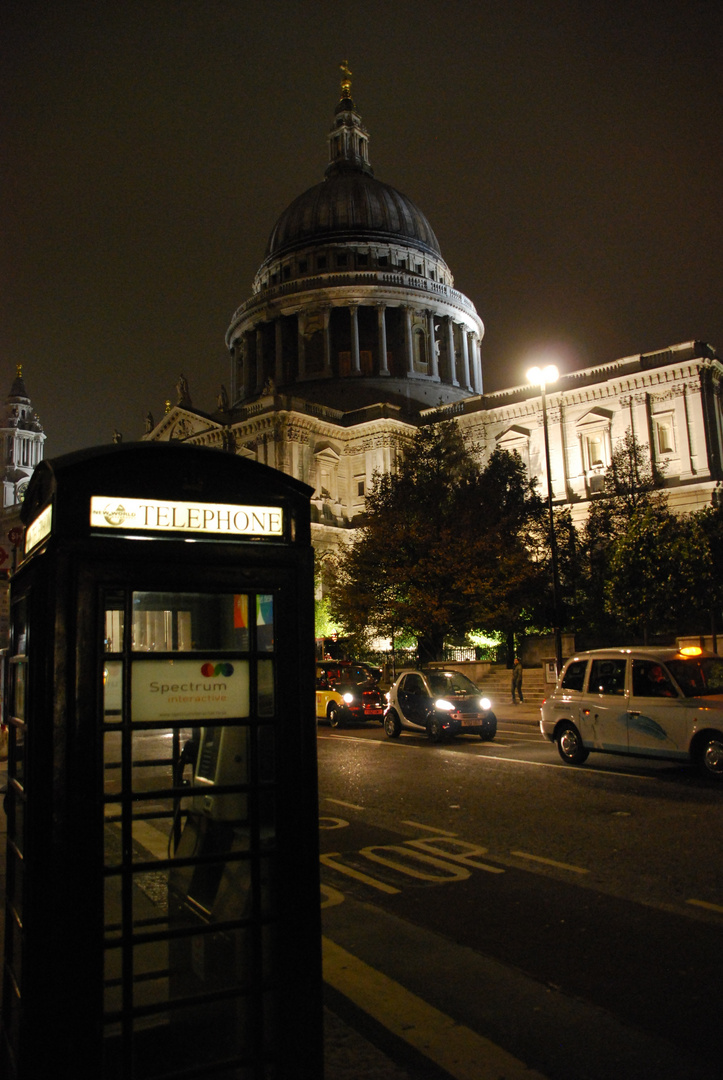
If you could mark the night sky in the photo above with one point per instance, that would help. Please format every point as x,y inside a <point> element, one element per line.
<point>568,155</point>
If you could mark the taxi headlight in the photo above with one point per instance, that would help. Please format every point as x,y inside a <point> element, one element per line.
<point>348,698</point>
<point>485,703</point>
<point>445,706</point>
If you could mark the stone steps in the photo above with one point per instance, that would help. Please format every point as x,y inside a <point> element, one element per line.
<point>498,682</point>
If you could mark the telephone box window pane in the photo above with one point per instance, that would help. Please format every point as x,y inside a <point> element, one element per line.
<point>189,622</point>
<point>265,681</point>
<point>20,628</point>
<point>113,630</point>
<point>265,622</point>
<point>17,754</point>
<point>113,690</point>
<point>18,708</point>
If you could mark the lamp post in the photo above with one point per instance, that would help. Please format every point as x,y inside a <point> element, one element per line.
<point>542,377</point>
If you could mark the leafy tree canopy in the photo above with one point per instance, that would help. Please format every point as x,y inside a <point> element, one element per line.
<point>446,546</point>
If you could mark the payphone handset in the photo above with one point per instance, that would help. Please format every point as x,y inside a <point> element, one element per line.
<point>222,760</point>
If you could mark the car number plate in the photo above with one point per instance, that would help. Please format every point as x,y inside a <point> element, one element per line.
<point>373,711</point>
<point>471,721</point>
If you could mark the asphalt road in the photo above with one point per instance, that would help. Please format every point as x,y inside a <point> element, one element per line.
<point>569,918</point>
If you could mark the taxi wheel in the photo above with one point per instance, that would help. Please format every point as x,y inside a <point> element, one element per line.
<point>711,758</point>
<point>569,745</point>
<point>334,716</point>
<point>392,727</point>
<point>434,729</point>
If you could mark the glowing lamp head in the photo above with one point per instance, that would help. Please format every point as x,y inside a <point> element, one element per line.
<point>543,376</point>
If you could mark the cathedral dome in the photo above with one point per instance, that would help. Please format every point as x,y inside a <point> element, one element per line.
<point>353,303</point>
<point>351,205</point>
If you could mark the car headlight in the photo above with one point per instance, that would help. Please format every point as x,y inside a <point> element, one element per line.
<point>445,706</point>
<point>348,698</point>
<point>485,703</point>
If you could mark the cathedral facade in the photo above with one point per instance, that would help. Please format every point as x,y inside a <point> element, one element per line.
<point>354,335</point>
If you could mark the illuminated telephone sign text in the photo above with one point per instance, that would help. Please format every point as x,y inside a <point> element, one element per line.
<point>216,519</point>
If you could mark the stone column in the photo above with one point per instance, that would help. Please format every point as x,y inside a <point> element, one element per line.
<point>355,359</point>
<point>279,350</point>
<point>301,327</point>
<point>326,315</point>
<point>465,356</point>
<point>641,427</point>
<point>382,338</point>
<point>476,363</point>
<point>682,432</point>
<point>246,363</point>
<point>259,357</point>
<point>408,339</point>
<point>433,359</point>
<point>451,356</point>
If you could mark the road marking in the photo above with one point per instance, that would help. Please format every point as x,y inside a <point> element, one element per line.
<point>706,905</point>
<point>463,856</point>
<point>336,823</point>
<point>550,862</point>
<point>589,771</point>
<point>340,802</point>
<point>332,896</point>
<point>457,1049</point>
<point>454,873</point>
<point>382,886</point>
<point>429,828</point>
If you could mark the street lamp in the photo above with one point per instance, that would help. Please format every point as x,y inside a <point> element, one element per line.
<point>542,377</point>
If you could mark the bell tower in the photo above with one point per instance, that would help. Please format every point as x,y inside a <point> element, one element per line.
<point>22,442</point>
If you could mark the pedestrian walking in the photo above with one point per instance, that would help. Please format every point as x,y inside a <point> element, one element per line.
<point>517,680</point>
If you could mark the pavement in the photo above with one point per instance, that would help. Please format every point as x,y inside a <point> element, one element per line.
<point>357,1043</point>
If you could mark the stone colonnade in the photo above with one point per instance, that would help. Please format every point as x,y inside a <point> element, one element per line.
<point>426,344</point>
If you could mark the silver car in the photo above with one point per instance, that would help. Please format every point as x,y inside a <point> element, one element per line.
<point>663,703</point>
<point>441,703</point>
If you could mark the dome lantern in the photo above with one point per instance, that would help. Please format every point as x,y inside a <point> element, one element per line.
<point>348,138</point>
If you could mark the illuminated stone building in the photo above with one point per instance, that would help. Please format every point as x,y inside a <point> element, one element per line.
<point>354,335</point>
<point>22,438</point>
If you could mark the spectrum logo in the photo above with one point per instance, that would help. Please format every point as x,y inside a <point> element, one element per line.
<point>209,670</point>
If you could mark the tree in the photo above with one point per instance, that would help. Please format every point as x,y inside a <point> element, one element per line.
<point>444,545</point>
<point>632,485</point>
<point>705,600</point>
<point>652,570</point>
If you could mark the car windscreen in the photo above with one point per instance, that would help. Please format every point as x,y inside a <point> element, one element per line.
<point>451,683</point>
<point>698,676</point>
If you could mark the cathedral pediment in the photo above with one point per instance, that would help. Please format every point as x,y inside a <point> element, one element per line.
<point>594,418</point>
<point>512,437</point>
<point>182,424</point>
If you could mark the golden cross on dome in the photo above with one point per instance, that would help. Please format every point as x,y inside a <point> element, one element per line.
<point>346,81</point>
<point>19,369</point>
